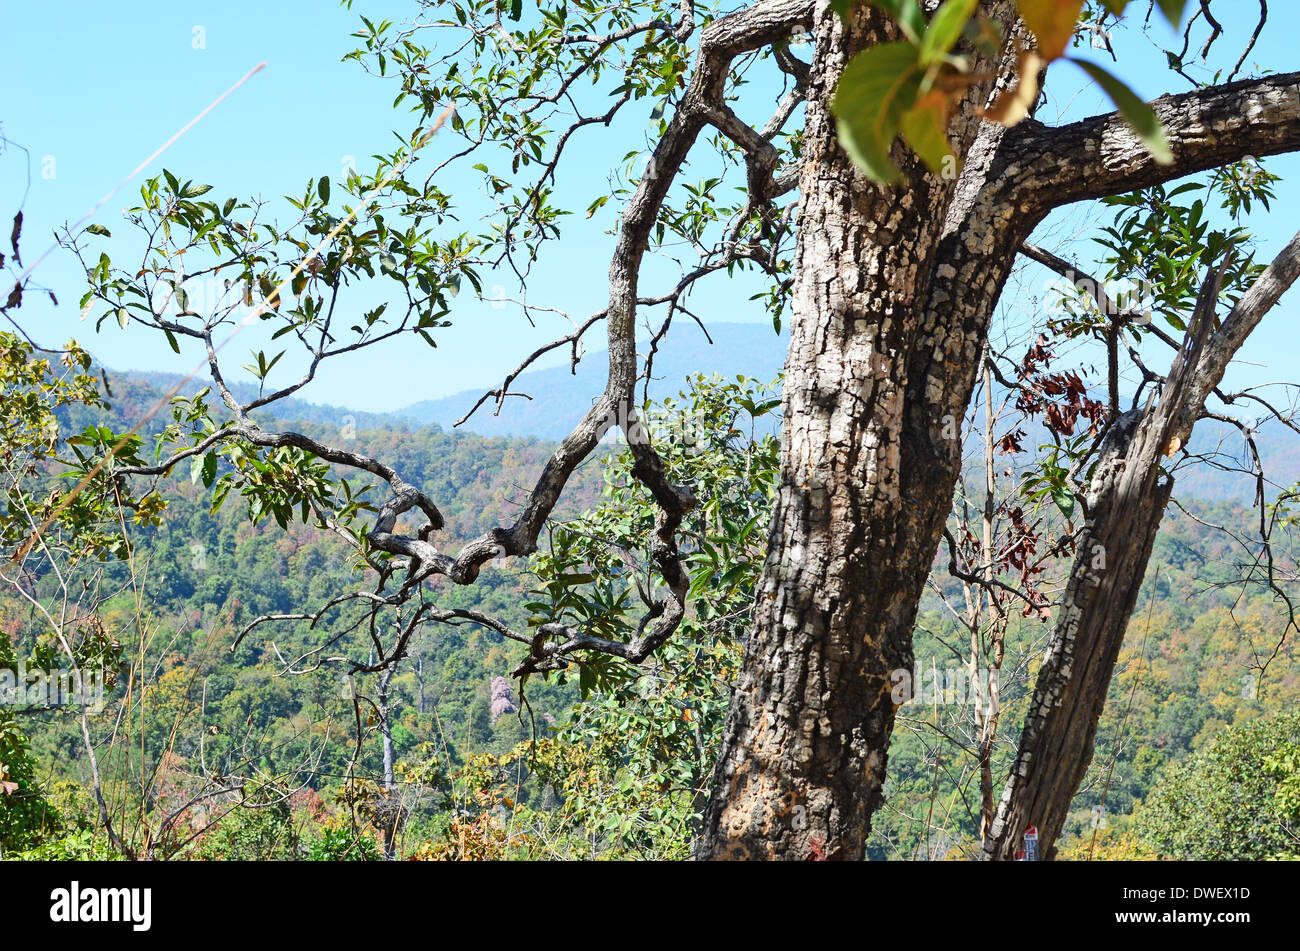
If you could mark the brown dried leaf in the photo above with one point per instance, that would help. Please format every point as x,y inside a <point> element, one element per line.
<point>1014,104</point>
<point>1052,23</point>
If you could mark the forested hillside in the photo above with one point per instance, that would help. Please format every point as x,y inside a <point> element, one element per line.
<point>820,430</point>
<point>1205,655</point>
<point>195,699</point>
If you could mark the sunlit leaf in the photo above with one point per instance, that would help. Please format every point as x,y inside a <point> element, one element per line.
<point>1052,22</point>
<point>925,127</point>
<point>875,89</point>
<point>1064,500</point>
<point>945,29</point>
<point>1137,113</point>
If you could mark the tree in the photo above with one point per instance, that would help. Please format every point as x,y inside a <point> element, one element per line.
<point>1224,801</point>
<point>1126,500</point>
<point>50,578</point>
<point>891,301</point>
<point>890,288</point>
<point>634,761</point>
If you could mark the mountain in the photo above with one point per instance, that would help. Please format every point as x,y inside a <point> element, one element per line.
<point>1279,452</point>
<point>135,392</point>
<point>1217,477</point>
<point>558,397</point>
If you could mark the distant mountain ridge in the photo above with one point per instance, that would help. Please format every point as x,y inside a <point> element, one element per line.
<point>556,399</point>
<point>151,384</point>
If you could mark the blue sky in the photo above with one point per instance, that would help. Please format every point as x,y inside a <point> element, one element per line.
<point>93,88</point>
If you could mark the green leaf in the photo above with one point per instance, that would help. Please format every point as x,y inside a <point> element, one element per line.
<point>945,29</point>
<point>323,187</point>
<point>209,469</point>
<point>194,191</point>
<point>1173,10</point>
<point>1064,500</point>
<point>219,496</point>
<point>925,127</point>
<point>875,89</point>
<point>1137,113</point>
<point>98,229</point>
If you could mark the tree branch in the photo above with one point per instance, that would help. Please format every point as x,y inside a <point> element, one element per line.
<point>1047,167</point>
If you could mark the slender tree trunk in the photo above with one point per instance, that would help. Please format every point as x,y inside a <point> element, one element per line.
<point>1126,502</point>
<point>393,813</point>
<point>982,603</point>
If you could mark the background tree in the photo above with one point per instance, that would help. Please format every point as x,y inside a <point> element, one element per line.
<point>66,629</point>
<point>633,762</point>
<point>1223,801</point>
<point>1126,499</point>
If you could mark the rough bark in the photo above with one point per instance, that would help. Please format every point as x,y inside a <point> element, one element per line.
<point>390,826</point>
<point>1126,502</point>
<point>803,760</point>
<point>892,298</point>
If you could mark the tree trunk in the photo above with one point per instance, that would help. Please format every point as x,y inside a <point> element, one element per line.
<point>892,297</point>
<point>865,487</point>
<point>1126,502</point>
<point>392,812</point>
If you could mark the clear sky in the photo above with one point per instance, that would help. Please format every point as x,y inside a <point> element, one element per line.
<point>93,88</point>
